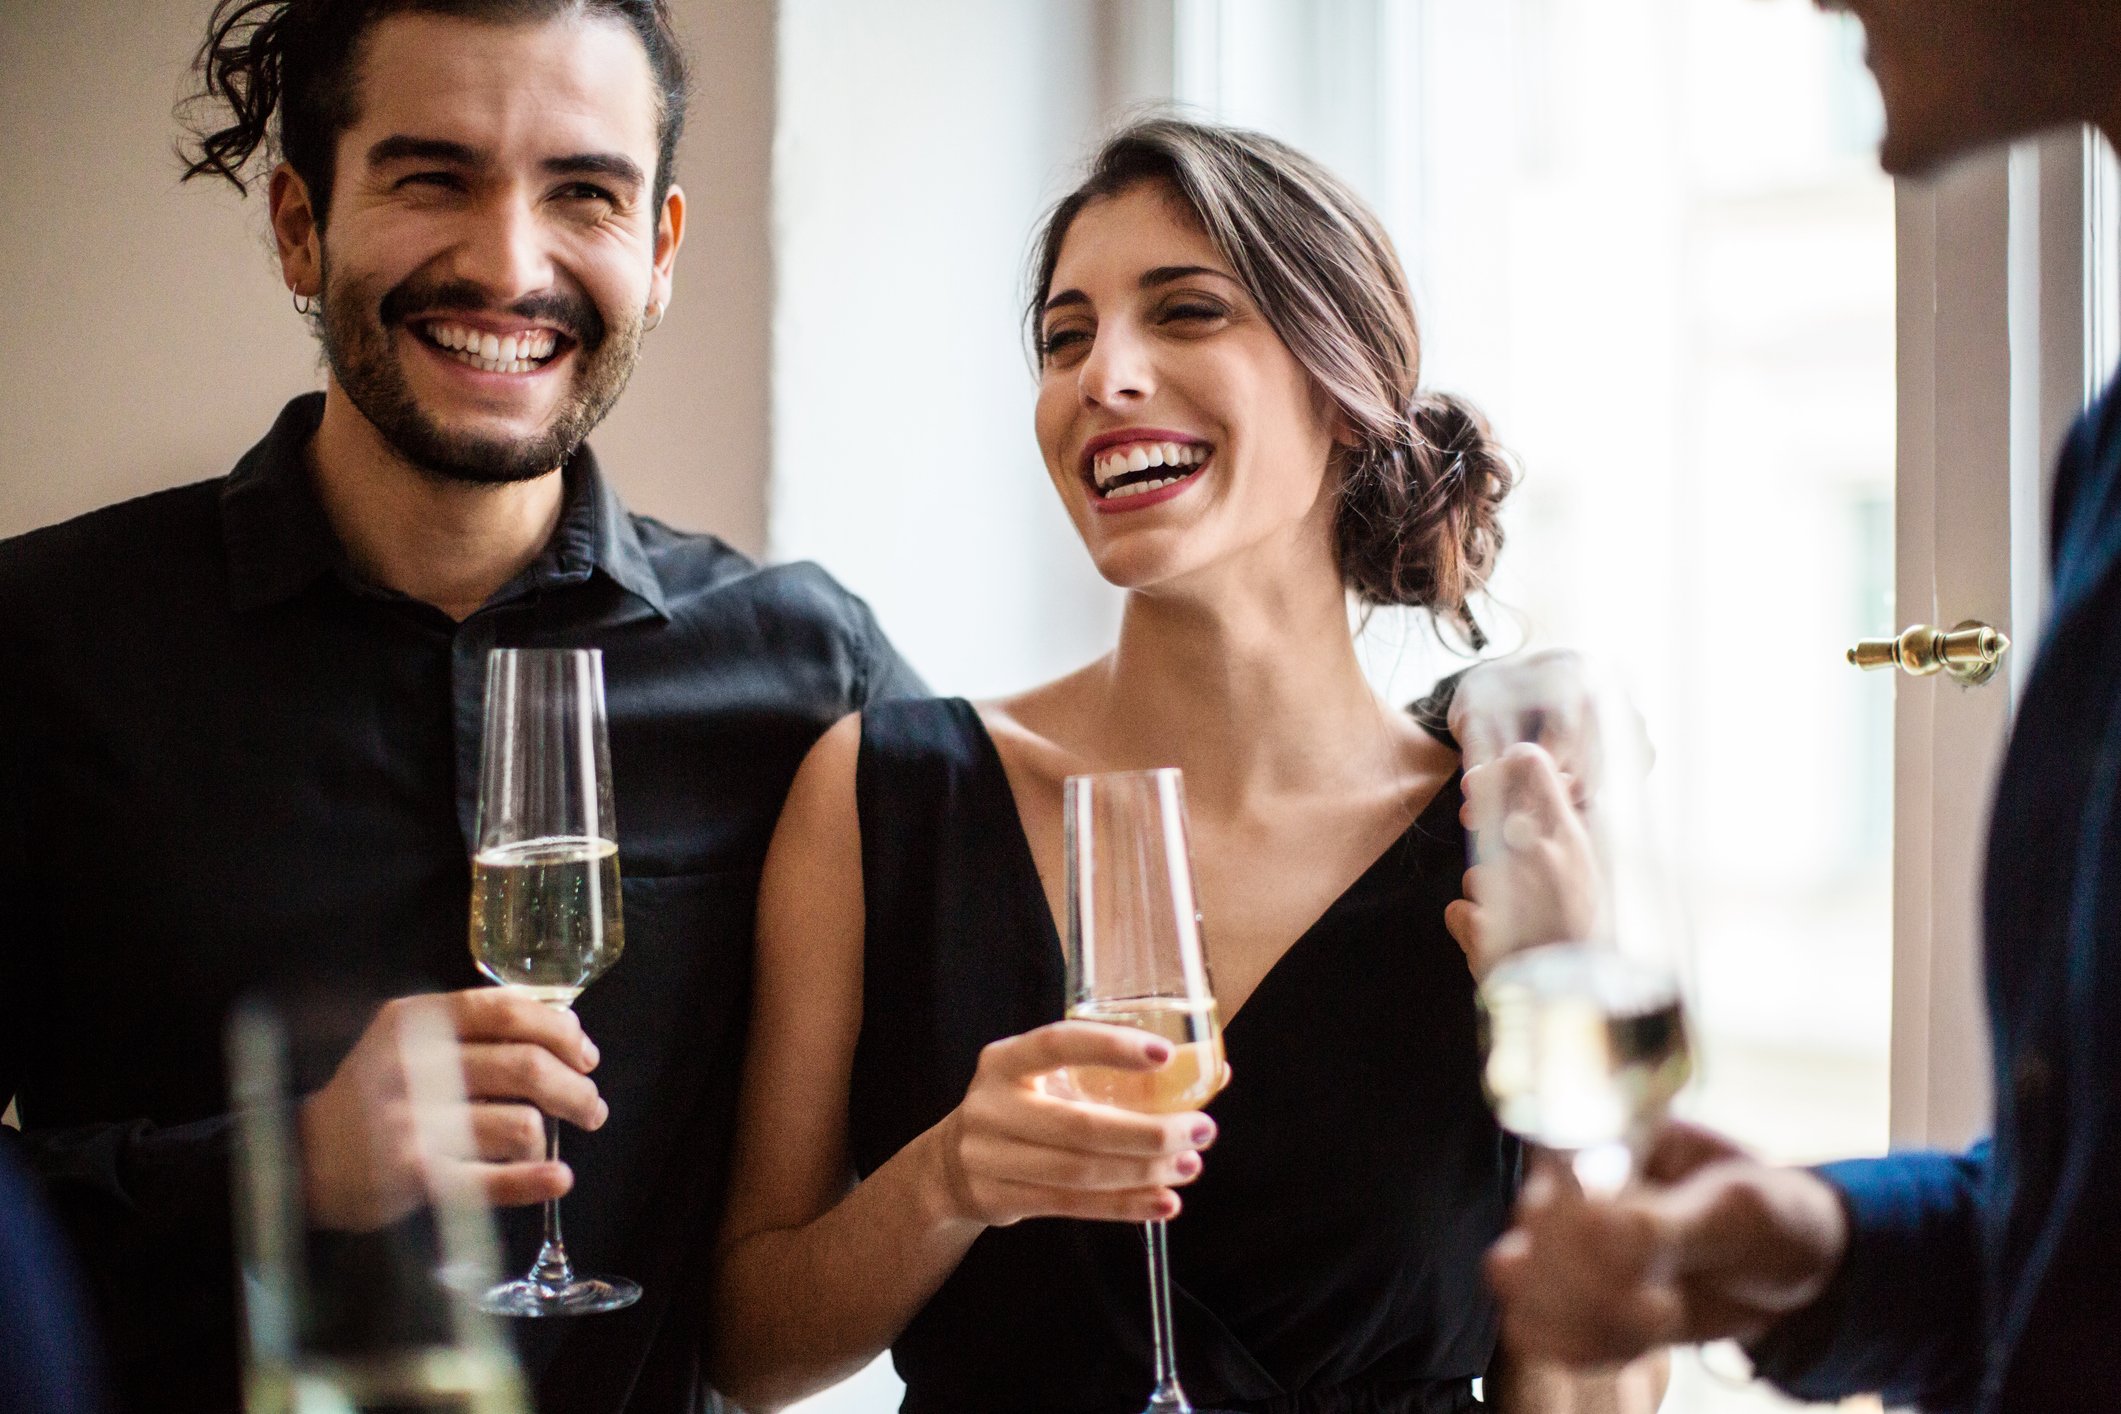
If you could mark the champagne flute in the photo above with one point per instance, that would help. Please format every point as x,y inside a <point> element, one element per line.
<point>1134,959</point>
<point>368,1322</point>
<point>545,891</point>
<point>1582,934</point>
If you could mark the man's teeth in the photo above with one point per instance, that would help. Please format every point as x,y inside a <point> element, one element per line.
<point>1140,456</point>
<point>495,353</point>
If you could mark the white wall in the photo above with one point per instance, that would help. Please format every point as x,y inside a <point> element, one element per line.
<point>918,144</point>
<point>146,341</point>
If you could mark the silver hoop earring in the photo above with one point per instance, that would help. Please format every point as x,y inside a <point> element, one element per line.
<point>305,305</point>
<point>658,311</point>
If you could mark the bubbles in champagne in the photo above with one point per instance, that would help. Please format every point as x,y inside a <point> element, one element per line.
<point>1584,1046</point>
<point>545,915</point>
<point>1185,1082</point>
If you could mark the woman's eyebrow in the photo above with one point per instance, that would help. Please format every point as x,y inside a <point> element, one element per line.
<point>1150,279</point>
<point>1165,274</point>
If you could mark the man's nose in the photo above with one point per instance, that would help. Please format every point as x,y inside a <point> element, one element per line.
<point>1119,369</point>
<point>504,251</point>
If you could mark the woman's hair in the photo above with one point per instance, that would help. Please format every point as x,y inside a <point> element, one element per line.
<point>1420,491</point>
<point>277,78</point>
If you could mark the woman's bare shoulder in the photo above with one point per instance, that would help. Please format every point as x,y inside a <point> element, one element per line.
<point>1038,731</point>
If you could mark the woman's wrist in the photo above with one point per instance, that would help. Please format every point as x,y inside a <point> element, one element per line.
<point>943,1190</point>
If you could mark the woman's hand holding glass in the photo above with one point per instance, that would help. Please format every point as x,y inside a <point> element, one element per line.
<point>1024,1143</point>
<point>1572,920</point>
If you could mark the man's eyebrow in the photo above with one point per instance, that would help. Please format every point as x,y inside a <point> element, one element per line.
<point>400,147</point>
<point>597,164</point>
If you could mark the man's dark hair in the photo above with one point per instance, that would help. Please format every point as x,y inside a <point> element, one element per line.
<point>282,73</point>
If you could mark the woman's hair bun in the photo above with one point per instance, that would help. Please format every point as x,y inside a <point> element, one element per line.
<point>1420,518</point>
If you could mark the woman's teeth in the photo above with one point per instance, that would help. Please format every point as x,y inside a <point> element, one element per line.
<point>494,353</point>
<point>1135,458</point>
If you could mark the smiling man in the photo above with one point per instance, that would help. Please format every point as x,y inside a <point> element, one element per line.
<point>239,720</point>
<point>1986,1280</point>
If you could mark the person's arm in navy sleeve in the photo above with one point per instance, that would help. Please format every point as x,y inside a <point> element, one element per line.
<point>1902,1315</point>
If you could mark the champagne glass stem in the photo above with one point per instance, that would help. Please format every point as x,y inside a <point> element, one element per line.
<point>1168,1398</point>
<point>552,1269</point>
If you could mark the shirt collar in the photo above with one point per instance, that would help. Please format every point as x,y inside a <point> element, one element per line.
<point>280,541</point>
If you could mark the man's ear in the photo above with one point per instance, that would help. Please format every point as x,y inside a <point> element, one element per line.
<point>669,235</point>
<point>295,231</point>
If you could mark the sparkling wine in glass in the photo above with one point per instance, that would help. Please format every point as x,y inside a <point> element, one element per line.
<point>1583,936</point>
<point>545,891</point>
<point>1135,960</point>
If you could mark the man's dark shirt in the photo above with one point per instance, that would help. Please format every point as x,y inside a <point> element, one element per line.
<point>228,764</point>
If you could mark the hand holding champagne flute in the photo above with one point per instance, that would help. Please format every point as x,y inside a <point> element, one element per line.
<point>1578,938</point>
<point>1135,960</point>
<point>545,918</point>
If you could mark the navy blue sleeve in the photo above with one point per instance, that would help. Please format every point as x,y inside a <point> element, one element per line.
<point>48,1359</point>
<point>1902,1317</point>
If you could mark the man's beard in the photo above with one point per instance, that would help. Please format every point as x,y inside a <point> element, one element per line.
<point>355,328</point>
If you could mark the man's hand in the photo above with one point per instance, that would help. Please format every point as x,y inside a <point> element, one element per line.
<point>1711,1245</point>
<point>365,1159</point>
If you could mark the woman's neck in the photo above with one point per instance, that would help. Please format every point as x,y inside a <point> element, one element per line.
<point>1251,685</point>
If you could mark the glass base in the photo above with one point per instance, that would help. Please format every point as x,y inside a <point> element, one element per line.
<point>581,1297</point>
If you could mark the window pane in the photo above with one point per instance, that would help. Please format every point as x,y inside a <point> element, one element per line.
<point>1650,239</point>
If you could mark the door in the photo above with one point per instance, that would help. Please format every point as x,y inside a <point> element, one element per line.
<point>2007,322</point>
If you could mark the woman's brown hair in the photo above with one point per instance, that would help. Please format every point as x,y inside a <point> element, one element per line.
<point>1421,489</point>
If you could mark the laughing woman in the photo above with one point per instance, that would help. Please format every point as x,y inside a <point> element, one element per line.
<point>1229,409</point>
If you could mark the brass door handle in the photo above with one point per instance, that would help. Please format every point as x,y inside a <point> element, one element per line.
<point>1969,653</point>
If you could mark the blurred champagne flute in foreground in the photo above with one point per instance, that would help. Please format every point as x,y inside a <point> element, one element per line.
<point>370,1322</point>
<point>545,890</point>
<point>1134,959</point>
<point>1581,932</point>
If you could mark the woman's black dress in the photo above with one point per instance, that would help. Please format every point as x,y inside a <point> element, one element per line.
<point>1328,1258</point>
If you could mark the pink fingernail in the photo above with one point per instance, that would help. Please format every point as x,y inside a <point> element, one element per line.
<point>1203,1133</point>
<point>590,1053</point>
<point>1188,1165</point>
<point>1158,1051</point>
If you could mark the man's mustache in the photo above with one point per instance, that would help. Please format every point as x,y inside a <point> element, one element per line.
<point>571,313</point>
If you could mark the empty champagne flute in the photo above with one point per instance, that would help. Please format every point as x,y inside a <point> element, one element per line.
<point>545,891</point>
<point>1582,936</point>
<point>1134,959</point>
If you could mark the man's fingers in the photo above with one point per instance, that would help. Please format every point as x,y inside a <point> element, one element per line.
<point>1567,1306</point>
<point>515,1185</point>
<point>500,1014</point>
<point>507,1133</point>
<point>525,1072</point>
<point>1679,1149</point>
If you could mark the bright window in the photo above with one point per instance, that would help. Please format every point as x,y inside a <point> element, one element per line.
<point>1650,239</point>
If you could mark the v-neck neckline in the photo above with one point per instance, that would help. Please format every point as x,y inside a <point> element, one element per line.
<point>1056,950</point>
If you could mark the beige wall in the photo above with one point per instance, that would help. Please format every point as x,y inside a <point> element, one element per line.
<point>145,339</point>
